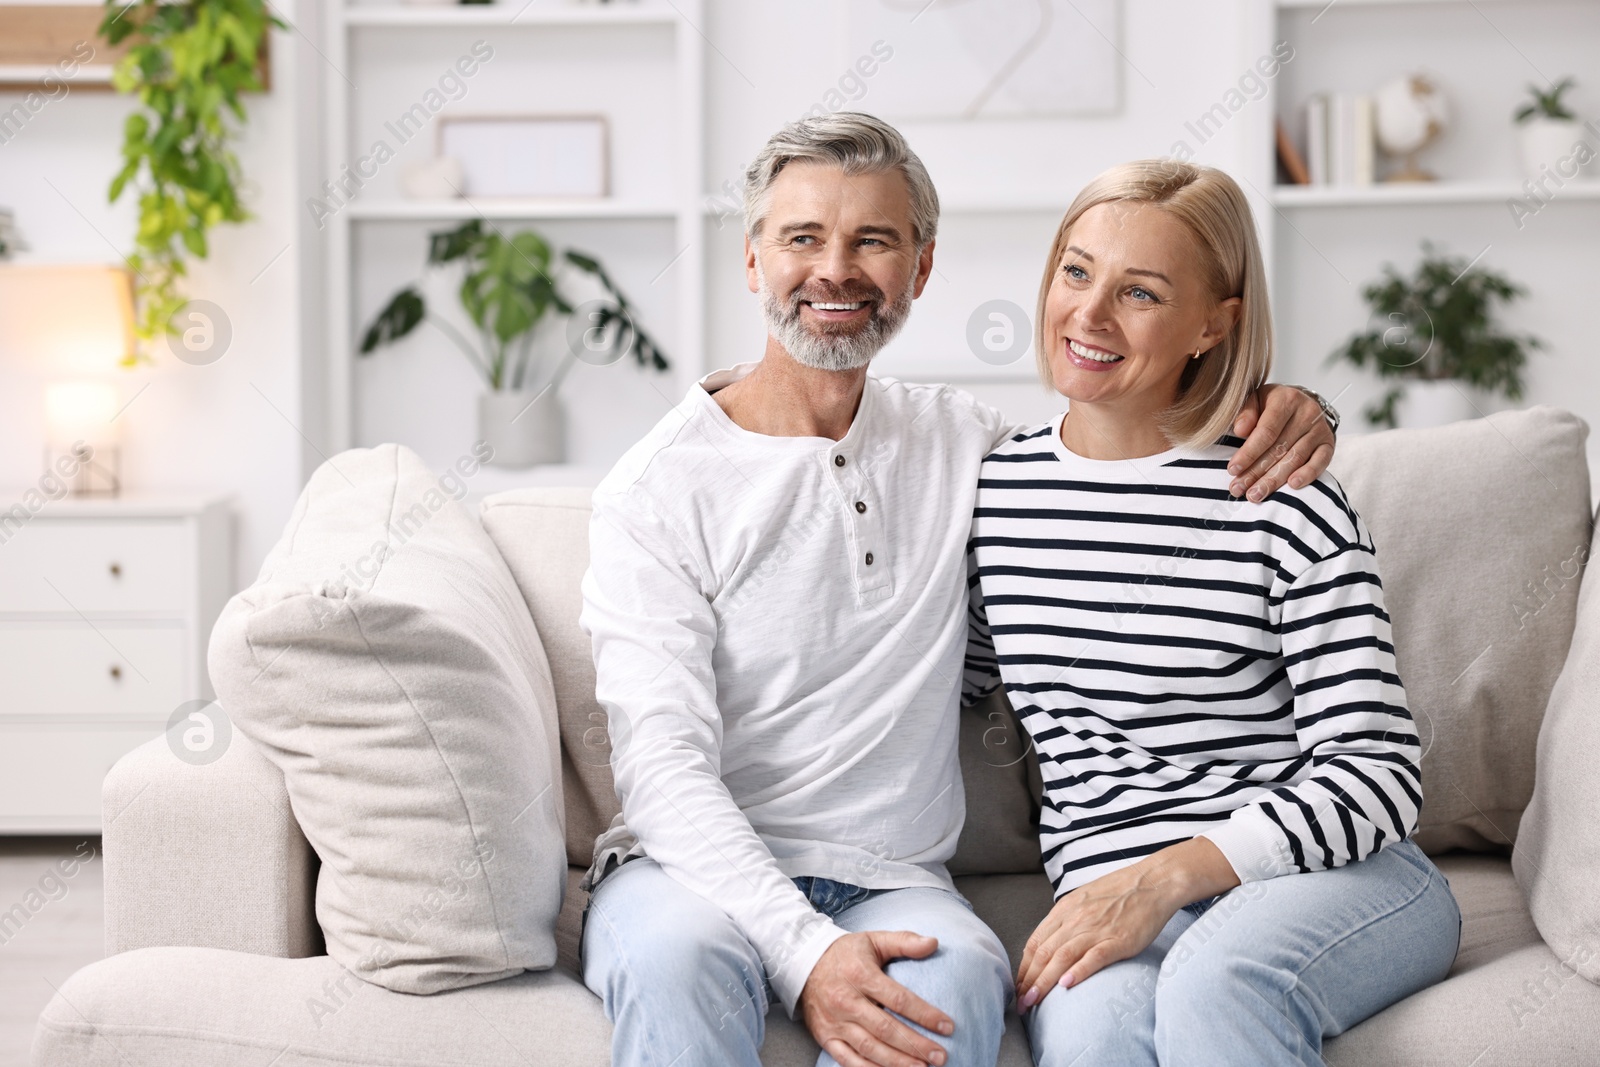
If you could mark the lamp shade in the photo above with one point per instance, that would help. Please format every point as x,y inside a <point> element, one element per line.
<point>66,318</point>
<point>80,412</point>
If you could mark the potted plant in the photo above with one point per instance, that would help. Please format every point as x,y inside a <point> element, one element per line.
<point>508,288</point>
<point>10,240</point>
<point>1438,337</point>
<point>1550,131</point>
<point>188,64</point>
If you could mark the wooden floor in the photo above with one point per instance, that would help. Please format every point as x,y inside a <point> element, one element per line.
<point>50,925</point>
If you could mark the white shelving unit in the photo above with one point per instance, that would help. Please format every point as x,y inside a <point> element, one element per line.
<point>442,210</point>
<point>1324,243</point>
<point>514,14</point>
<point>680,205</point>
<point>1310,196</point>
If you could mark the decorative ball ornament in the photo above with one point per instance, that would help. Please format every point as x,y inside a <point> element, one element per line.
<point>1412,113</point>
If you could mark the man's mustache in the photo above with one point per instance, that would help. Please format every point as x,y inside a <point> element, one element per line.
<point>833,294</point>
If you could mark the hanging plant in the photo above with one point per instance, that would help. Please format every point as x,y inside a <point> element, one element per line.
<point>188,63</point>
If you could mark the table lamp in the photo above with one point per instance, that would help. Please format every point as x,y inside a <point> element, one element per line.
<point>81,436</point>
<point>75,322</point>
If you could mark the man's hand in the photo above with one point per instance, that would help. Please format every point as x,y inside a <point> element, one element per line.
<point>1287,441</point>
<point>847,999</point>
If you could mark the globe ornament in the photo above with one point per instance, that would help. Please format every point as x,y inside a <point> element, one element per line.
<point>1412,113</point>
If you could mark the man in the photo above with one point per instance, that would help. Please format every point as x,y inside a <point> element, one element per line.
<point>777,598</point>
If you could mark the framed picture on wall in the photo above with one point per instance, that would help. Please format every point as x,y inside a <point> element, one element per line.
<point>50,47</point>
<point>529,155</point>
<point>55,47</point>
<point>990,59</point>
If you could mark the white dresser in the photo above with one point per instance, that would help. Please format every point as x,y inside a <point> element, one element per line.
<point>105,610</point>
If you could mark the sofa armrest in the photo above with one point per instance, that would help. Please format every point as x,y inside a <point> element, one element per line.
<point>205,855</point>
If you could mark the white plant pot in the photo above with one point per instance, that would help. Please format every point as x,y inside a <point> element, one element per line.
<point>1433,403</point>
<point>522,430</point>
<point>1551,143</point>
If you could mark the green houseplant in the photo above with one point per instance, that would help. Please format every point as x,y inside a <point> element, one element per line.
<point>509,286</point>
<point>1552,138</point>
<point>1547,103</point>
<point>1439,330</point>
<point>188,64</point>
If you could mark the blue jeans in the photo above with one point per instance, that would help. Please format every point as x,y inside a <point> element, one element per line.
<point>1261,974</point>
<point>683,987</point>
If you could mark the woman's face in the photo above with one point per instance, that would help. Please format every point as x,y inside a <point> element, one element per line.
<point>1127,308</point>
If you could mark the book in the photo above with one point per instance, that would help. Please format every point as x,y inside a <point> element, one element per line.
<point>1317,139</point>
<point>1294,164</point>
<point>1365,147</point>
<point>1341,140</point>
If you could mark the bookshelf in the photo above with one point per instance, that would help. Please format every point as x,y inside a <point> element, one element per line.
<point>1324,243</point>
<point>641,65</point>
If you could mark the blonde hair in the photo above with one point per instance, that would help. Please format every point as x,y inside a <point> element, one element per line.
<point>1214,387</point>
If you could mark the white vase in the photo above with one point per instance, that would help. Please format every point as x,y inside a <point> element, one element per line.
<point>524,429</point>
<point>440,178</point>
<point>1552,143</point>
<point>1433,403</point>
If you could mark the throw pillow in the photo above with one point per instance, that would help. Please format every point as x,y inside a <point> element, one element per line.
<point>385,662</point>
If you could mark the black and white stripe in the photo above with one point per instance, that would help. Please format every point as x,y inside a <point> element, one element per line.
<point>1187,663</point>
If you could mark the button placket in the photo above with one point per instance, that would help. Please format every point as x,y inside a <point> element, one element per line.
<point>869,564</point>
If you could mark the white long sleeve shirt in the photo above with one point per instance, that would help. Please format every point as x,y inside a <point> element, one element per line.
<point>778,627</point>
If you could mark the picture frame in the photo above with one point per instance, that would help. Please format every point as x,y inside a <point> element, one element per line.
<point>50,47</point>
<point>529,156</point>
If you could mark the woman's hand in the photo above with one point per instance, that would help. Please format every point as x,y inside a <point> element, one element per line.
<point>1287,442</point>
<point>1116,916</point>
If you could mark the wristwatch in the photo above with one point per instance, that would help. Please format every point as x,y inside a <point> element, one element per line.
<point>1329,412</point>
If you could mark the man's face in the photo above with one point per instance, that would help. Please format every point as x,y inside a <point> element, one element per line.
<point>836,264</point>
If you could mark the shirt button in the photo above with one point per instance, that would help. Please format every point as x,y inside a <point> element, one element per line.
<point>838,461</point>
<point>861,508</point>
<point>869,559</point>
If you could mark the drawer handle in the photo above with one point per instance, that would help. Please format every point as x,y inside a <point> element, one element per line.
<point>116,672</point>
<point>116,570</point>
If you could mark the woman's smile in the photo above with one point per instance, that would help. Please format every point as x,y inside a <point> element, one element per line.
<point>1090,357</point>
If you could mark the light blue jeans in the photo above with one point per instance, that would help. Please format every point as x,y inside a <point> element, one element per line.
<point>1261,974</point>
<point>683,987</point>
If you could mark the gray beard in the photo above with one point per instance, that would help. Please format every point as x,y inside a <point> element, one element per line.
<point>829,350</point>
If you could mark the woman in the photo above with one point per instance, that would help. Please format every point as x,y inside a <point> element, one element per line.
<point>1230,771</point>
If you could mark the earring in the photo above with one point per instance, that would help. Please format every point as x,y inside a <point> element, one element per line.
<point>1196,354</point>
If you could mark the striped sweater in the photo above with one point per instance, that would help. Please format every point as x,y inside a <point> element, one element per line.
<point>1189,664</point>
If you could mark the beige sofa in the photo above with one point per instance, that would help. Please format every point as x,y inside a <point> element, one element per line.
<point>214,954</point>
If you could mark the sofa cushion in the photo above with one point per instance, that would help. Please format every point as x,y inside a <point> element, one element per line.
<point>192,1007</point>
<point>544,536</point>
<point>1494,914</point>
<point>1557,858</point>
<point>1000,774</point>
<point>385,662</point>
<point>1522,1008</point>
<point>1475,524</point>
<point>198,1007</point>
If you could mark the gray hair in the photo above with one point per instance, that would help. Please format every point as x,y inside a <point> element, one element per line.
<point>855,142</point>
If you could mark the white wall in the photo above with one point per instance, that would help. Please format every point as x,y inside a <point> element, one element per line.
<point>1179,58</point>
<point>221,427</point>
<point>768,62</point>
<point>237,424</point>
